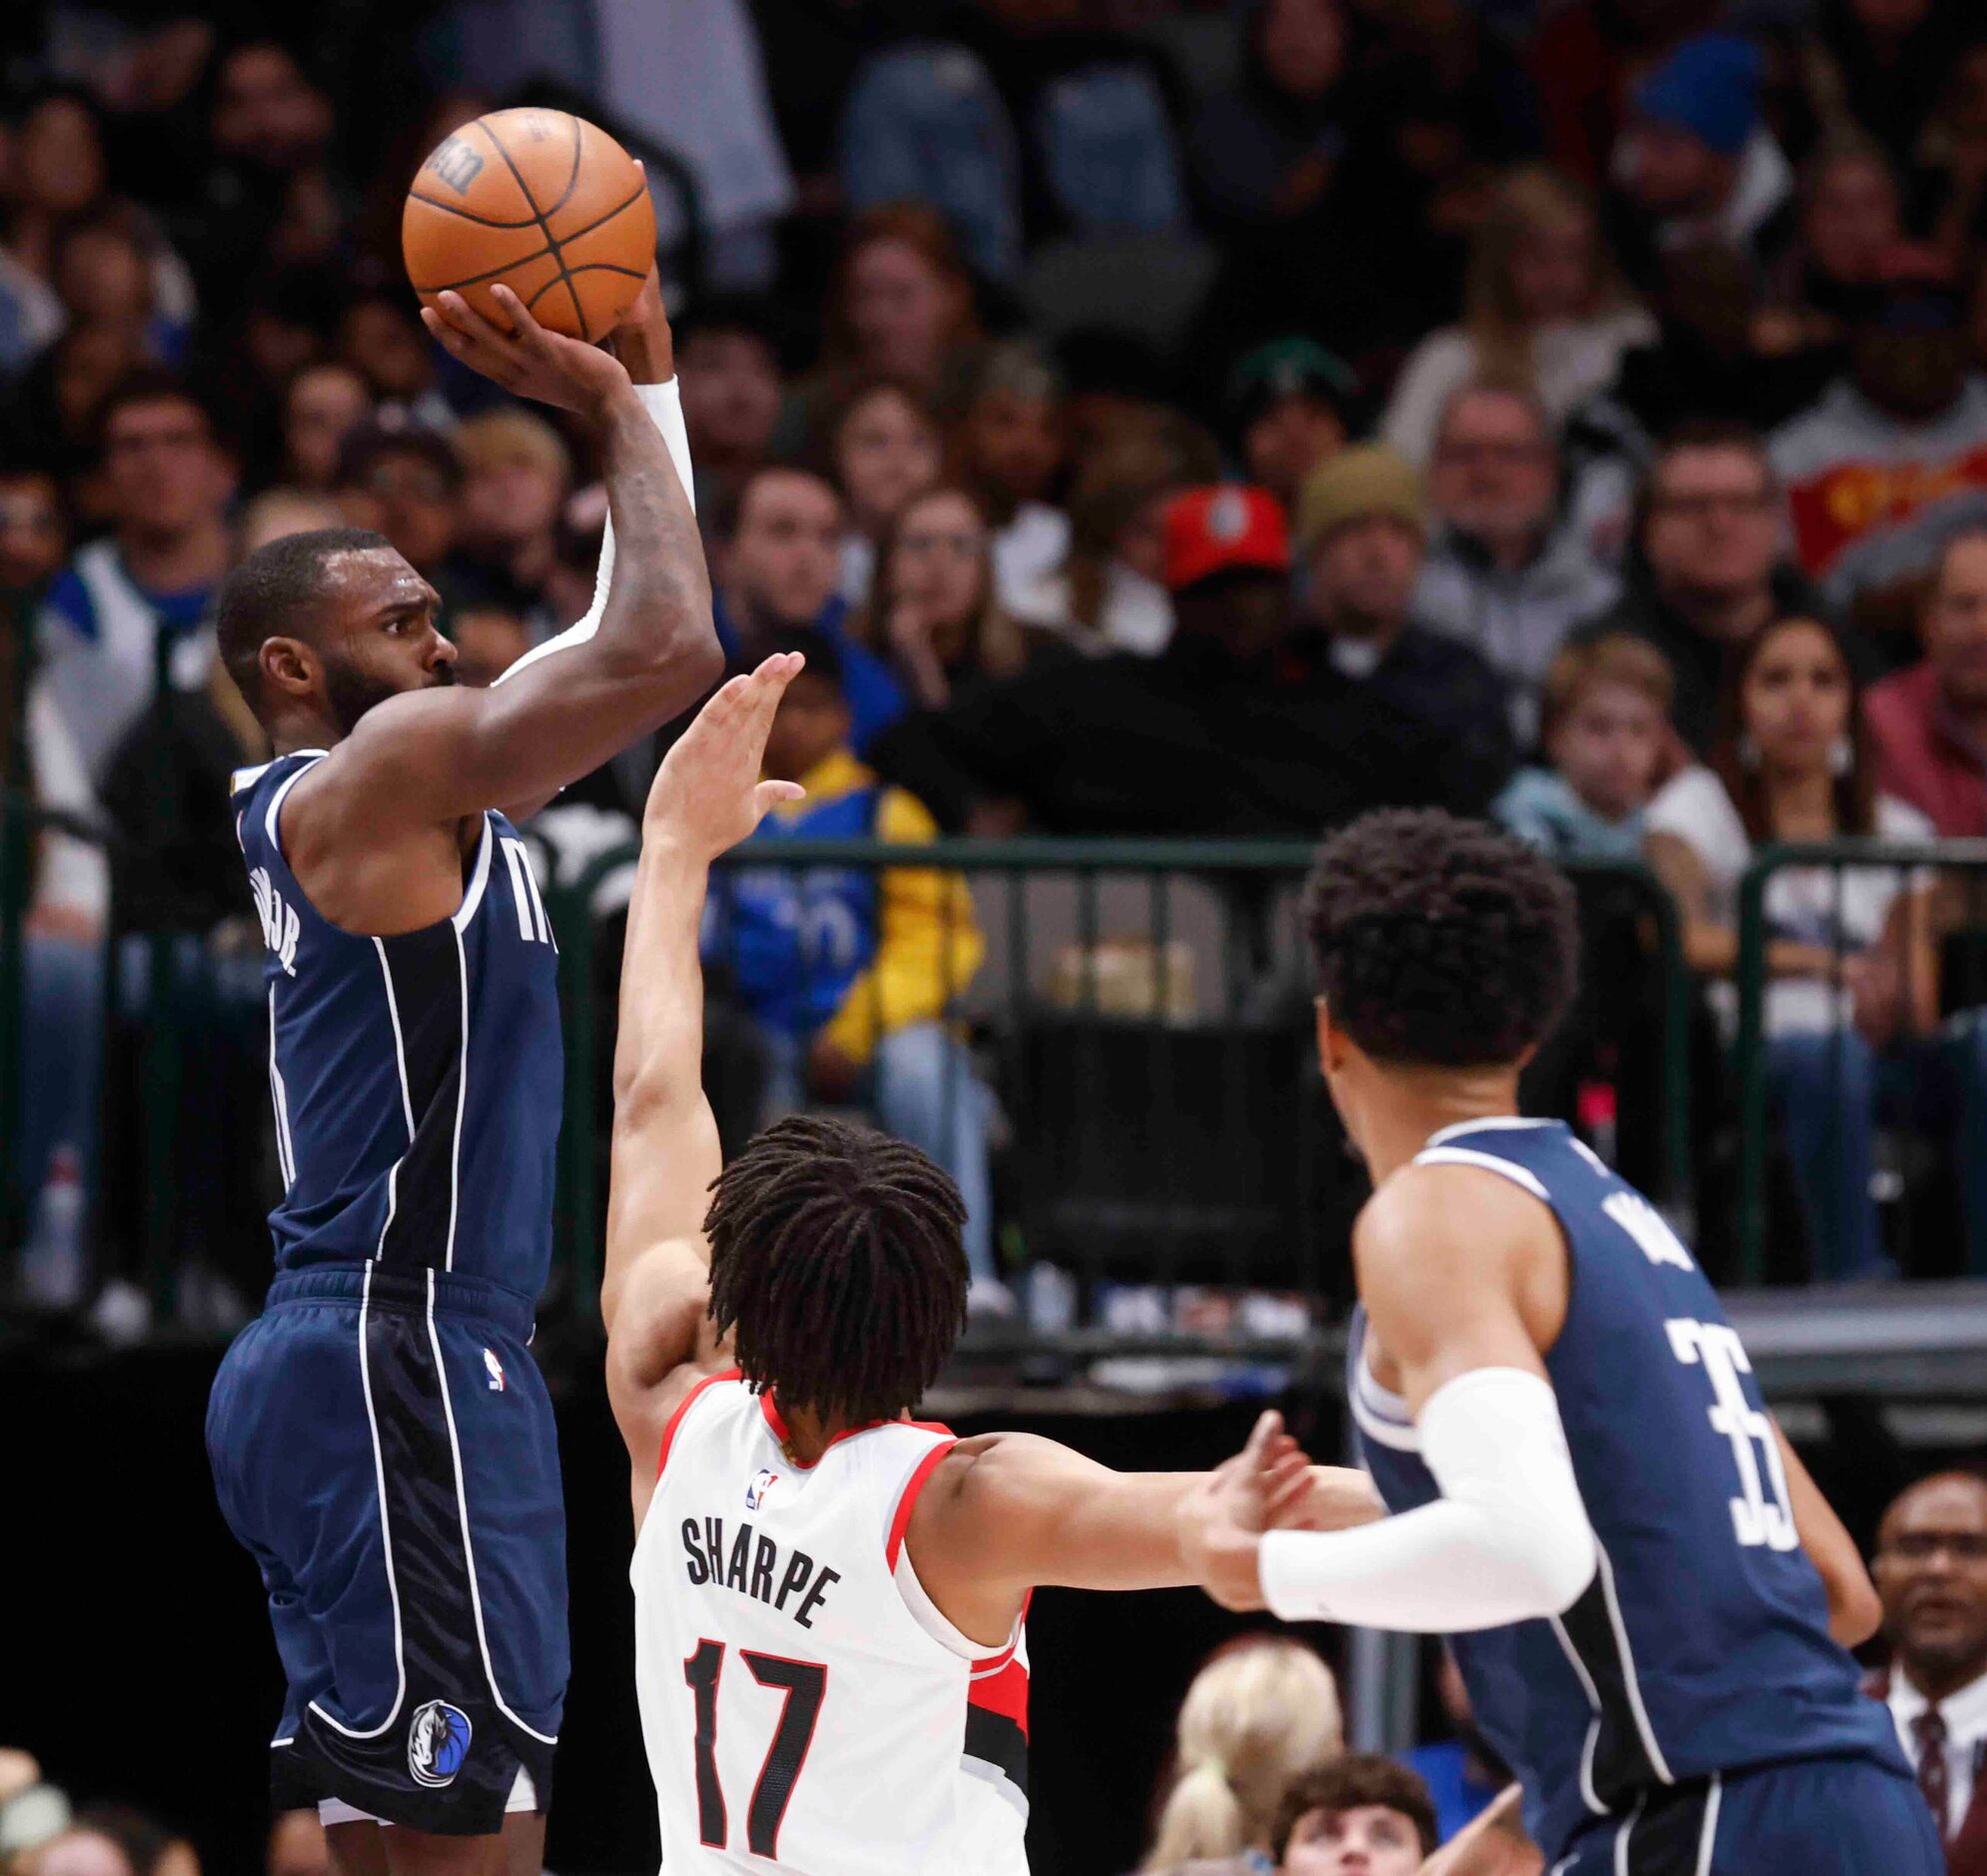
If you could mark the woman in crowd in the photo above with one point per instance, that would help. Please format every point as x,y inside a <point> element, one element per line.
<point>1107,596</point>
<point>1262,1710</point>
<point>1544,307</point>
<point>884,447</point>
<point>935,614</point>
<point>1850,955</point>
<point>903,301</point>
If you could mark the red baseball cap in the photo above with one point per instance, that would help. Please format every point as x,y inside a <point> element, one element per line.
<point>1221,529</point>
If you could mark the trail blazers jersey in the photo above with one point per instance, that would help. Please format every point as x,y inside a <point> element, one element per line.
<point>805,1706</point>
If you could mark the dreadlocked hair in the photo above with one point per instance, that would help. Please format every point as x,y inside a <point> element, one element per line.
<point>835,1259</point>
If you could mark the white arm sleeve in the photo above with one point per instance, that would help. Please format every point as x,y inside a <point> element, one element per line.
<point>664,404</point>
<point>1508,1539</point>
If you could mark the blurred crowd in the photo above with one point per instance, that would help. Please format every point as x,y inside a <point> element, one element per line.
<point>1195,418</point>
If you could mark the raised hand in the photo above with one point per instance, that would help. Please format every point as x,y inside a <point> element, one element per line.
<point>707,795</point>
<point>1222,1522</point>
<point>528,361</point>
<point>641,338</point>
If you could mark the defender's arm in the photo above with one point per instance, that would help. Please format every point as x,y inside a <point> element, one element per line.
<point>653,1295</point>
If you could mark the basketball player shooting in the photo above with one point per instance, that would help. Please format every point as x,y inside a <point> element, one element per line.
<point>828,1594</point>
<point>1649,1599</point>
<point>380,1438</point>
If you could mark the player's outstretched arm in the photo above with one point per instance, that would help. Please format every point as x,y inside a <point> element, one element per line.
<point>1009,1513</point>
<point>1447,1273</point>
<point>433,755</point>
<point>707,797</point>
<point>1854,1612</point>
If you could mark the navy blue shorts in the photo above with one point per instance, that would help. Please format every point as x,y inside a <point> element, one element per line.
<point>1808,1818</point>
<point>383,1444</point>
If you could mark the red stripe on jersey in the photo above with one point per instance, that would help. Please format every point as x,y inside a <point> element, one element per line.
<point>682,1408</point>
<point>993,1663</point>
<point>1005,1693</point>
<point>907,1500</point>
<point>776,1423</point>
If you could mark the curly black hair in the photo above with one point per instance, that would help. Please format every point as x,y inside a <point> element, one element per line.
<point>835,1256</point>
<point>1441,942</point>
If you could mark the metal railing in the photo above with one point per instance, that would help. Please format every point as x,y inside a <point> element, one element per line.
<point>1145,1006</point>
<point>1940,894</point>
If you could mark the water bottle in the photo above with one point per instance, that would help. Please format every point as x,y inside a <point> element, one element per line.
<point>52,1259</point>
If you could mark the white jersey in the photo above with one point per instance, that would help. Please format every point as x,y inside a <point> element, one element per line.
<point>805,1706</point>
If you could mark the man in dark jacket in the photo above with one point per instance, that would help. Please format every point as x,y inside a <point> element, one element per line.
<point>1249,723</point>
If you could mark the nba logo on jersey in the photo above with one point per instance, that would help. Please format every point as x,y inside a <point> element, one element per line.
<point>495,1369</point>
<point>436,1743</point>
<point>280,928</point>
<point>756,1493</point>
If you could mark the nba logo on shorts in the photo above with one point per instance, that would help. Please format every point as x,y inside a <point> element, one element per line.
<point>495,1369</point>
<point>756,1493</point>
<point>436,1743</point>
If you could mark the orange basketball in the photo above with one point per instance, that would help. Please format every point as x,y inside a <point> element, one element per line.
<point>549,205</point>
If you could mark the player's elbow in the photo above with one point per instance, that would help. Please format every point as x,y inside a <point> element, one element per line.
<point>1566,1567</point>
<point>1854,1612</point>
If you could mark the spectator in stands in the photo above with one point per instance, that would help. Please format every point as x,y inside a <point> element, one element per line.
<point>490,638</point>
<point>1708,571</point>
<point>1264,152</point>
<point>934,613</point>
<point>1697,158</point>
<point>1291,406</point>
<point>1262,1710</point>
<point>84,1851</point>
<point>1951,160</point>
<point>1851,224</point>
<point>1109,593</point>
<point>885,448</point>
<point>322,405</point>
<point>1503,574</point>
<point>1852,972</point>
<point>34,539</point>
<point>776,569</point>
<point>381,337</point>
<point>1355,1815</point>
<point>1930,1570</point>
<point>851,976</point>
<point>406,481</point>
<point>57,171</point>
<point>516,475</point>
<point>102,276</point>
<point>1929,723</point>
<point>1892,459</point>
<point>902,301</point>
<point>1604,727</point>
<point>1545,308</point>
<point>1881,63</point>
<point>1360,529</point>
<point>296,1845</point>
<point>168,484</point>
<point>1007,447</point>
<point>728,365</point>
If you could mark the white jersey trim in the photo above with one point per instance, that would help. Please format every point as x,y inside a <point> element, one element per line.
<point>479,879</point>
<point>282,794</point>
<point>1484,1161</point>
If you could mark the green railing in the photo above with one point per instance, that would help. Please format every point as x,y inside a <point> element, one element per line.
<point>1950,860</point>
<point>1260,1002</point>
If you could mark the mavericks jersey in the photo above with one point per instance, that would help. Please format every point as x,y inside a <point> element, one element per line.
<point>416,1080</point>
<point>805,1706</point>
<point>1702,1647</point>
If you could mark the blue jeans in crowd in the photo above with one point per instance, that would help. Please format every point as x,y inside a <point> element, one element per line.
<point>921,1088</point>
<point>1832,1089</point>
<point>62,1048</point>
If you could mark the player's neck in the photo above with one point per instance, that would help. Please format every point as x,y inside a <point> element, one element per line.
<point>808,1436</point>
<point>1415,1105</point>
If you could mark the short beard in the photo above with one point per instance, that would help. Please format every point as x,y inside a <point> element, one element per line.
<point>351,693</point>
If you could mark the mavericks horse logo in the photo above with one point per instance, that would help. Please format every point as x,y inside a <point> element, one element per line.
<point>436,1743</point>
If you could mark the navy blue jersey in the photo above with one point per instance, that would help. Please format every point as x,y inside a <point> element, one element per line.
<point>416,1080</point>
<point>1702,1644</point>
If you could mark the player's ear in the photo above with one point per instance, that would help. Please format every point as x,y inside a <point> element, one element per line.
<point>289,667</point>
